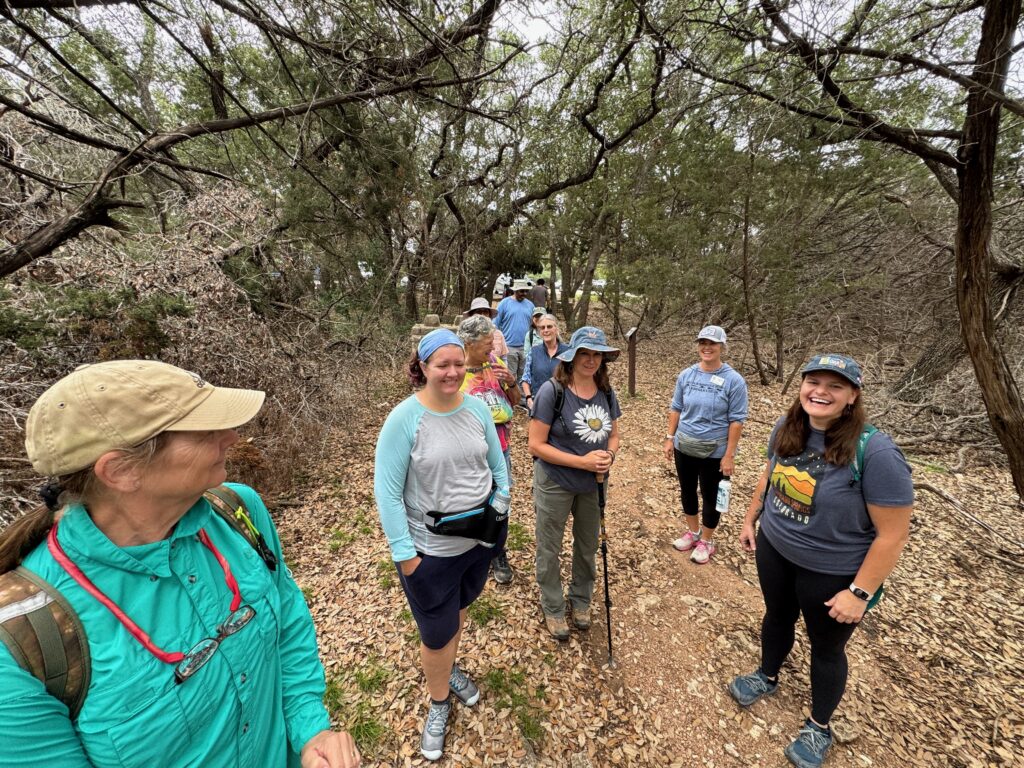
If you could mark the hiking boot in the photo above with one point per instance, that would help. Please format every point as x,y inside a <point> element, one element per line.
<point>557,627</point>
<point>465,690</point>
<point>702,552</point>
<point>810,747</point>
<point>501,570</point>
<point>747,689</point>
<point>687,541</point>
<point>432,740</point>
<point>581,618</point>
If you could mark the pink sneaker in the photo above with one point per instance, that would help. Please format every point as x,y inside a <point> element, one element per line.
<point>702,552</point>
<point>687,541</point>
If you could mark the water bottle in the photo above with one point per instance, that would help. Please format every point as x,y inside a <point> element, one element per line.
<point>500,501</point>
<point>724,489</point>
<point>496,518</point>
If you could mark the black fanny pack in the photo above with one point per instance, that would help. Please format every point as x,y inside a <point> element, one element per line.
<point>483,523</point>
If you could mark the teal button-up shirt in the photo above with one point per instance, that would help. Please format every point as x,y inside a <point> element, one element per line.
<point>256,702</point>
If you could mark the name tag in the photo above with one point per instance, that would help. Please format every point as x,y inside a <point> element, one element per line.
<point>717,381</point>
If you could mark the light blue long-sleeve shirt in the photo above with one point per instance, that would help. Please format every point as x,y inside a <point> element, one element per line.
<point>256,702</point>
<point>428,461</point>
<point>708,402</point>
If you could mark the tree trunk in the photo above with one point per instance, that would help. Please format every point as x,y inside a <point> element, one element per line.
<point>762,375</point>
<point>977,154</point>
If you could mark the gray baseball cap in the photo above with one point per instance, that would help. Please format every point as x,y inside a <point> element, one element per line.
<point>712,333</point>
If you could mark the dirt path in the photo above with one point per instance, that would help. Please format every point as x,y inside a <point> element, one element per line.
<point>935,672</point>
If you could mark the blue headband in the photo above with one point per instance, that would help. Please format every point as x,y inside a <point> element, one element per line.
<point>436,339</point>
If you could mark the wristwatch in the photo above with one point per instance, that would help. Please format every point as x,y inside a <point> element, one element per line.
<point>865,596</point>
<point>670,437</point>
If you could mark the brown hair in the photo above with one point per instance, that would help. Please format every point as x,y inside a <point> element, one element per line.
<point>417,379</point>
<point>840,438</point>
<point>29,530</point>
<point>563,375</point>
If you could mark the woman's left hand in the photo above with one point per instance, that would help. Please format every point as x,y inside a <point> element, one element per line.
<point>846,608</point>
<point>331,749</point>
<point>502,374</point>
<point>727,465</point>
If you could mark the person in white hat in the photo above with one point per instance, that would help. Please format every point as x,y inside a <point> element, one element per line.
<point>514,321</point>
<point>200,650</point>
<point>705,421</point>
<point>481,306</point>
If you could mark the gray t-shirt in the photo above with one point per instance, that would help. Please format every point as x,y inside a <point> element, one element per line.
<point>589,424</point>
<point>814,513</point>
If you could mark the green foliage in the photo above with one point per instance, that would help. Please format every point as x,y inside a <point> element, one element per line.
<point>512,692</point>
<point>484,610</point>
<point>356,716</point>
<point>386,574</point>
<point>518,537</point>
<point>372,676</point>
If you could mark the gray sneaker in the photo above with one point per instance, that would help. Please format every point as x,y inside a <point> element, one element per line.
<point>463,688</point>
<point>432,740</point>
<point>501,570</point>
<point>747,689</point>
<point>808,750</point>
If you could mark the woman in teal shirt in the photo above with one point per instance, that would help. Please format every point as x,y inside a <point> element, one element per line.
<point>200,653</point>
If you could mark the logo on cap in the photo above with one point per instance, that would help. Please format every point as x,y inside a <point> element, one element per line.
<point>197,379</point>
<point>838,362</point>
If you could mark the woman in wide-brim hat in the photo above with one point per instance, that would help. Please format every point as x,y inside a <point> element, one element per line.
<point>834,503</point>
<point>481,306</point>
<point>572,446</point>
<point>200,650</point>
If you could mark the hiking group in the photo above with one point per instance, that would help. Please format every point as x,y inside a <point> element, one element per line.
<point>148,618</point>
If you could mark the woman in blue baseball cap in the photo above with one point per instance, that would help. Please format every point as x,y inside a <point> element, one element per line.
<point>834,504</point>
<point>574,435</point>
<point>439,479</point>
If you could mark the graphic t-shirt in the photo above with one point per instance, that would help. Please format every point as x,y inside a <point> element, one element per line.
<point>708,402</point>
<point>816,516</point>
<point>483,384</point>
<point>588,424</point>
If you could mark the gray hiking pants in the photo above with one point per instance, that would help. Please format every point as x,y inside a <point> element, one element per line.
<point>553,505</point>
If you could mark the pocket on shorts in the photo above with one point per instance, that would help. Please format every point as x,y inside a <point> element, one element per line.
<point>422,585</point>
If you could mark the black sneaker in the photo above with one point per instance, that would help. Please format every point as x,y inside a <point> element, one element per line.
<point>501,570</point>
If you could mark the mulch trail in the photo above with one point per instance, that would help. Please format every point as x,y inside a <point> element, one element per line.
<point>935,669</point>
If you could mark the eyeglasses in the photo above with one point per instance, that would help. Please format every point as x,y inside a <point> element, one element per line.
<point>200,653</point>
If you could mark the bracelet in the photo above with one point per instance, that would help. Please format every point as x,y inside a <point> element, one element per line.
<point>670,437</point>
<point>613,455</point>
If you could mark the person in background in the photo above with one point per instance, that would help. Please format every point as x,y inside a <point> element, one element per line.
<point>200,650</point>
<point>834,503</point>
<point>438,457</point>
<point>533,335</point>
<point>481,306</point>
<point>542,359</point>
<point>539,293</point>
<point>488,379</point>
<point>572,446</point>
<point>513,320</point>
<point>705,421</point>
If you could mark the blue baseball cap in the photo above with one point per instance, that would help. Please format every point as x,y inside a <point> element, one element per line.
<point>845,366</point>
<point>589,337</point>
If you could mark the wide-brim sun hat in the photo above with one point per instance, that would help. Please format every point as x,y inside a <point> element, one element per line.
<point>839,364</point>
<point>715,333</point>
<point>589,337</point>
<point>119,404</point>
<point>480,303</point>
<point>520,285</point>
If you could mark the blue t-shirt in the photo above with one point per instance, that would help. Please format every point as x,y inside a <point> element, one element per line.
<point>708,402</point>
<point>816,516</point>
<point>540,366</point>
<point>513,320</point>
<point>589,423</point>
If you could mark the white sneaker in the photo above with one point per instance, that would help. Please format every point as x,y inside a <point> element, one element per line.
<point>687,542</point>
<point>702,552</point>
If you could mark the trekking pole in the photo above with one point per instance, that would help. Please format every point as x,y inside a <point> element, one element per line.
<point>604,559</point>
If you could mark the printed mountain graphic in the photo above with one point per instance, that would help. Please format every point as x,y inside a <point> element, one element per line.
<point>794,483</point>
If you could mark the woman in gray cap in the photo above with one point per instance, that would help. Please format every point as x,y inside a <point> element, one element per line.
<point>573,445</point>
<point>705,420</point>
<point>834,504</point>
<point>179,625</point>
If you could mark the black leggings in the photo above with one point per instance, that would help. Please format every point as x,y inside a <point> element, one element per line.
<point>709,472</point>
<point>790,590</point>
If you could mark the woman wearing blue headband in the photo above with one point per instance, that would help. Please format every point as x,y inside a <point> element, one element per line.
<point>442,493</point>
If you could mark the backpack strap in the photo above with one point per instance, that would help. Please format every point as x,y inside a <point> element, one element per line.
<point>857,465</point>
<point>45,636</point>
<point>229,505</point>
<point>559,401</point>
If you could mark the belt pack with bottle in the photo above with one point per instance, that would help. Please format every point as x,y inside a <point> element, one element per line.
<point>485,522</point>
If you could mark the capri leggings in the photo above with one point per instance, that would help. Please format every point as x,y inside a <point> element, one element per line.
<point>709,474</point>
<point>790,590</point>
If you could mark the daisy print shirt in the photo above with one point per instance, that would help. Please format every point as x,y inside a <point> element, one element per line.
<point>588,424</point>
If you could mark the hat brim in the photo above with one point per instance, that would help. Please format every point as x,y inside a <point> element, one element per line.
<point>836,371</point>
<point>225,408</point>
<point>611,354</point>
<point>469,312</point>
<point>708,338</point>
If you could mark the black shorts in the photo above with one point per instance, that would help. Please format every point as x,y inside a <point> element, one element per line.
<point>442,586</point>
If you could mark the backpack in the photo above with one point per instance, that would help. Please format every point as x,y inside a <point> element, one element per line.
<point>46,637</point>
<point>560,400</point>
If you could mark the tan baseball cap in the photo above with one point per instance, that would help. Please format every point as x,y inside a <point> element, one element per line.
<point>122,403</point>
